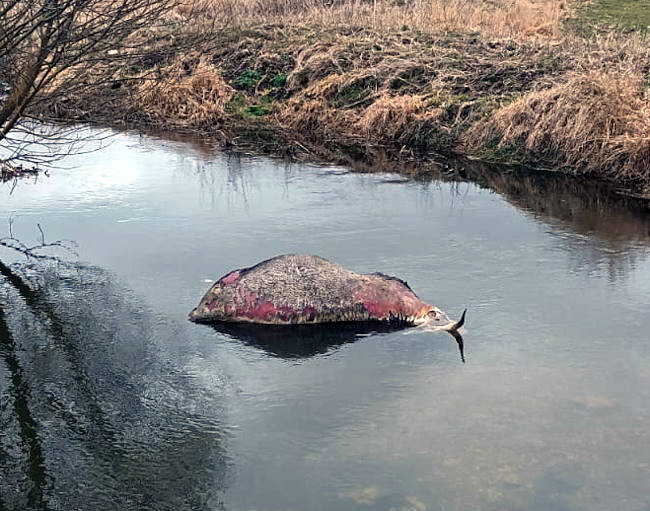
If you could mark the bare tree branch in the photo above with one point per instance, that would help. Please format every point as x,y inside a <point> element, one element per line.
<point>48,47</point>
<point>39,250</point>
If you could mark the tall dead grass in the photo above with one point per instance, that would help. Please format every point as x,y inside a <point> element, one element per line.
<point>193,94</point>
<point>495,17</point>
<point>404,119</point>
<point>428,75</point>
<point>595,123</point>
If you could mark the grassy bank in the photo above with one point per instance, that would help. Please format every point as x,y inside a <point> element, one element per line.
<point>607,15</point>
<point>506,81</point>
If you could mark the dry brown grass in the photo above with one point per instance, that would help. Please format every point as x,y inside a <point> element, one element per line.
<point>308,116</point>
<point>406,120</point>
<point>394,90</point>
<point>494,17</point>
<point>193,94</point>
<point>402,119</point>
<point>595,123</point>
<point>411,77</point>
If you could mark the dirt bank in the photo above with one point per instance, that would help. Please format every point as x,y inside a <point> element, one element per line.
<point>573,104</point>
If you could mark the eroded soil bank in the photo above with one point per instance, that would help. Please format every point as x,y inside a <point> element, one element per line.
<point>574,104</point>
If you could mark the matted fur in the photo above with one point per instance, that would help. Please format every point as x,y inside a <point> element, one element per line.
<point>296,289</point>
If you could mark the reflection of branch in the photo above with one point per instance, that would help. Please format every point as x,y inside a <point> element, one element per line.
<point>28,427</point>
<point>69,344</point>
<point>84,398</point>
<point>34,251</point>
<point>10,171</point>
<point>41,145</point>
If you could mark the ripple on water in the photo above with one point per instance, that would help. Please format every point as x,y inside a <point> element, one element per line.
<point>138,409</point>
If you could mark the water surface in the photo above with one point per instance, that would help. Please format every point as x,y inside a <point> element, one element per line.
<point>111,399</point>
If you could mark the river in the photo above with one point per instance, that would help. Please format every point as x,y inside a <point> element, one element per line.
<point>111,399</point>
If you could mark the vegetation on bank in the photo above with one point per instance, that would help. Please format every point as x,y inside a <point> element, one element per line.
<point>604,15</point>
<point>510,81</point>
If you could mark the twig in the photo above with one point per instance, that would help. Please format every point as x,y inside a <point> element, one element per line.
<point>42,235</point>
<point>34,251</point>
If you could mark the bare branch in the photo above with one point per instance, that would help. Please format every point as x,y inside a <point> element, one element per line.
<point>42,235</point>
<point>50,46</point>
<point>38,251</point>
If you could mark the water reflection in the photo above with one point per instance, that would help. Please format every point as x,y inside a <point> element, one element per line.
<point>609,226</point>
<point>35,475</point>
<point>584,206</point>
<point>106,404</point>
<point>599,229</point>
<point>608,232</point>
<point>304,341</point>
<point>96,406</point>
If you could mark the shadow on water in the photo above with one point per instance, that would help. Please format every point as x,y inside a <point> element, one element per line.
<point>28,429</point>
<point>299,341</point>
<point>103,418</point>
<point>304,341</point>
<point>607,230</point>
<point>584,206</point>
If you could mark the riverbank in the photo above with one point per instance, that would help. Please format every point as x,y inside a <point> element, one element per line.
<point>520,90</point>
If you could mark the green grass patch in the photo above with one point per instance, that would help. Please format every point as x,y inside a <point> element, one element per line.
<point>240,105</point>
<point>256,110</point>
<point>237,103</point>
<point>510,154</point>
<point>248,79</point>
<point>625,15</point>
<point>279,80</point>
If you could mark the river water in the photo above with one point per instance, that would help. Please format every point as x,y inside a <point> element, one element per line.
<point>111,399</point>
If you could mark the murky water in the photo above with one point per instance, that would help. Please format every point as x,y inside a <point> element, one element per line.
<point>111,399</point>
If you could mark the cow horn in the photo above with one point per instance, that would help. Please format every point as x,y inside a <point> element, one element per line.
<point>453,330</point>
<point>458,324</point>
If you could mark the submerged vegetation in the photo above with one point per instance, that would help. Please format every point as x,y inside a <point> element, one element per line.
<point>510,81</point>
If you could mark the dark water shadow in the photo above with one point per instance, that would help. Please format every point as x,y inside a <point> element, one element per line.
<point>104,416</point>
<point>582,205</point>
<point>305,341</point>
<point>20,394</point>
<point>597,227</point>
<point>300,341</point>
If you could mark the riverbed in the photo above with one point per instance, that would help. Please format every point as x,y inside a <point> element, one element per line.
<point>111,399</point>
